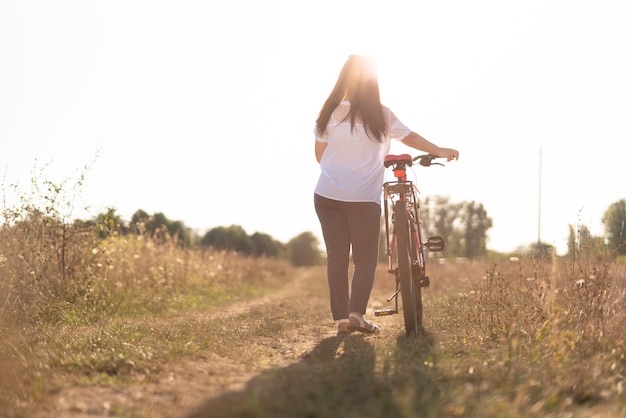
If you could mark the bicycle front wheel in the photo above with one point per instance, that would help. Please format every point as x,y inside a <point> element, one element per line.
<point>409,286</point>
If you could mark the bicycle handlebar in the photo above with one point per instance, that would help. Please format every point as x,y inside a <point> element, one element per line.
<point>425,160</point>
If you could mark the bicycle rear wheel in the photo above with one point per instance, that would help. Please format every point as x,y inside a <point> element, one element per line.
<point>409,286</point>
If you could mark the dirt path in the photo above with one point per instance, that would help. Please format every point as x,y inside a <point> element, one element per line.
<point>183,385</point>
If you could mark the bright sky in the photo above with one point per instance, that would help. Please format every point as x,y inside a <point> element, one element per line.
<point>204,110</point>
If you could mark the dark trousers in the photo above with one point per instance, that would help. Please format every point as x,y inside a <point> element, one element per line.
<point>348,225</point>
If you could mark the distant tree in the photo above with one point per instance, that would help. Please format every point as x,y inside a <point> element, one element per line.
<point>109,223</point>
<point>179,230</point>
<point>475,223</point>
<point>584,238</point>
<point>158,224</point>
<point>463,226</point>
<point>614,221</point>
<point>265,245</point>
<point>138,221</point>
<point>303,250</point>
<point>580,242</point>
<point>542,251</point>
<point>440,217</point>
<point>231,238</point>
<point>455,244</point>
<point>588,245</point>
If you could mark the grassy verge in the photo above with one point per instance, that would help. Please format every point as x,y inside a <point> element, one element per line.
<point>538,338</point>
<point>119,309</point>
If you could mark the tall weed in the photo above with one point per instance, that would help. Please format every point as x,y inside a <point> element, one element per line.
<point>553,330</point>
<point>65,290</point>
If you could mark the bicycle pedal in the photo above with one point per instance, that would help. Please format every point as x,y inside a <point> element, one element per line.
<point>385,312</point>
<point>425,281</point>
<point>435,243</point>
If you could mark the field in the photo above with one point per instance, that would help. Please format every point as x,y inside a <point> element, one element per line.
<point>134,326</point>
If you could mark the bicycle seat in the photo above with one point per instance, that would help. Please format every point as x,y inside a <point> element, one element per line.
<point>405,159</point>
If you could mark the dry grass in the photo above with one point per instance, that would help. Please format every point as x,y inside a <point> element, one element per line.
<point>534,337</point>
<point>525,338</point>
<point>76,309</point>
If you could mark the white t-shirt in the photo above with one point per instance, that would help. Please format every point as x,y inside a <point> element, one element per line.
<point>352,163</point>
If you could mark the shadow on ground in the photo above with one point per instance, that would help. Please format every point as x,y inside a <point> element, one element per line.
<point>340,377</point>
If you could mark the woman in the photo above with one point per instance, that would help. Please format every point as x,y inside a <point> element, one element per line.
<point>353,134</point>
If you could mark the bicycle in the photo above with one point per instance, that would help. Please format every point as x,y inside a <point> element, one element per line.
<point>404,245</point>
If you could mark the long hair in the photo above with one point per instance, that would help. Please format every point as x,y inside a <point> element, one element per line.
<point>358,83</point>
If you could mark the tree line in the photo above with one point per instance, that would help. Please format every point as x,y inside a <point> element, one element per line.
<point>301,250</point>
<point>464,226</point>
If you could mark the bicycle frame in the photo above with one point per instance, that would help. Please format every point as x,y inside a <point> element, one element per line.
<point>402,223</point>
